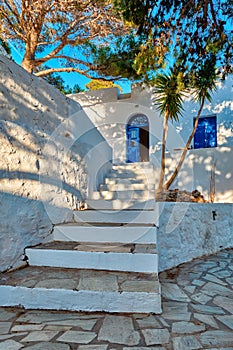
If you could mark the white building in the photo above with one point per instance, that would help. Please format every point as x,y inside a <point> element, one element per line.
<point>133,129</point>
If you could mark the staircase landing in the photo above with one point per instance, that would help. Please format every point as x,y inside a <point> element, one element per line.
<point>105,260</point>
<point>80,290</point>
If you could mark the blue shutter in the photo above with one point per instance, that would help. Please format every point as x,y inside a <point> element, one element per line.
<point>206,133</point>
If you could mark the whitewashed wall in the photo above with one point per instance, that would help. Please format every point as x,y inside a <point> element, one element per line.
<point>51,155</point>
<point>191,230</point>
<point>110,112</point>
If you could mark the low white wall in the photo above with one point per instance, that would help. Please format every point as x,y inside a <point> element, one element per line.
<point>191,230</point>
<point>51,156</point>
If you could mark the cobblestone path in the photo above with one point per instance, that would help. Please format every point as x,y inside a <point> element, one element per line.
<point>197,314</point>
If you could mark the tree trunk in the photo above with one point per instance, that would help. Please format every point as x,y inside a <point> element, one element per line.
<point>163,160</point>
<point>28,62</point>
<point>182,157</point>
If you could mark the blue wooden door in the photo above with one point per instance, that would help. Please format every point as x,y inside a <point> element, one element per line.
<point>133,144</point>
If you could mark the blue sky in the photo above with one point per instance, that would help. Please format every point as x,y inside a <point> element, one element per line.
<point>70,78</point>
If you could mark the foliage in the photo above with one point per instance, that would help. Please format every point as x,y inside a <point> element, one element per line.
<point>187,31</point>
<point>5,46</point>
<point>96,84</point>
<point>57,81</point>
<point>118,60</point>
<point>169,90</point>
<point>48,29</point>
<point>202,84</point>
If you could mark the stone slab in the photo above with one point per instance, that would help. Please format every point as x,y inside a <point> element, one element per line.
<point>224,302</point>
<point>156,336</point>
<point>119,330</point>
<point>227,320</point>
<point>39,336</point>
<point>187,327</point>
<point>10,345</point>
<point>207,319</point>
<point>219,338</point>
<point>186,343</point>
<point>86,325</point>
<point>171,291</point>
<point>48,346</point>
<point>5,327</point>
<point>77,337</point>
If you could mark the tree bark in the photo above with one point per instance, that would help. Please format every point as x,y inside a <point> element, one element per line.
<point>28,62</point>
<point>182,157</point>
<point>163,160</point>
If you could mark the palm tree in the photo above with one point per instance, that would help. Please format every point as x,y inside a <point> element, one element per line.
<point>169,90</point>
<point>203,85</point>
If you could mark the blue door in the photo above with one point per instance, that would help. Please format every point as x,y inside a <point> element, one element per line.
<point>133,144</point>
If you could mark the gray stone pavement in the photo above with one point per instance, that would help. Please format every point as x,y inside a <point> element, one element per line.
<point>197,314</point>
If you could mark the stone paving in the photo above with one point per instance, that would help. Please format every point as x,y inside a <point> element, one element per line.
<point>50,277</point>
<point>197,314</point>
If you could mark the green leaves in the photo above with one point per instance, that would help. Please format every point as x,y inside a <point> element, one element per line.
<point>204,80</point>
<point>169,91</point>
<point>189,30</point>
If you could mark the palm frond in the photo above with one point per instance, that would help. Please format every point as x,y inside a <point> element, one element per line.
<point>169,91</point>
<point>204,80</point>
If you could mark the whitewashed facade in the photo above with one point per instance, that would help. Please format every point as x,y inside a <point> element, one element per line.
<point>115,115</point>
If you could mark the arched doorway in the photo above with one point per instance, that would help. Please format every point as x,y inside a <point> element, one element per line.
<point>137,134</point>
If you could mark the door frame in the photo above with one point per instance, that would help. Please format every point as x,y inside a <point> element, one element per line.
<point>141,154</point>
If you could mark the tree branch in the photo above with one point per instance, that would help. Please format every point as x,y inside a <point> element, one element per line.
<point>40,61</point>
<point>64,70</point>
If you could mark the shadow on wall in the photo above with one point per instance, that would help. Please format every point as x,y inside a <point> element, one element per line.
<point>24,222</point>
<point>48,146</point>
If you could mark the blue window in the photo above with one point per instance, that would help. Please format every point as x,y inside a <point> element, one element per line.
<point>206,133</point>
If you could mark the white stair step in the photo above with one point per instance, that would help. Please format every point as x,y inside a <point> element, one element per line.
<point>132,173</point>
<point>127,187</point>
<point>120,217</point>
<point>119,205</point>
<point>125,195</point>
<point>105,234</point>
<point>146,178</point>
<point>80,290</point>
<point>139,165</point>
<point>131,180</point>
<point>111,261</point>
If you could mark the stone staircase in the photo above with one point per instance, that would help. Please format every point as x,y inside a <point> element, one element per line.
<point>129,185</point>
<point>105,260</point>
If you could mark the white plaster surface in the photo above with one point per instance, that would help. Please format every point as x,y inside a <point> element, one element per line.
<point>107,234</point>
<point>48,145</point>
<point>3,51</point>
<point>111,114</point>
<point>83,300</point>
<point>94,260</point>
<point>123,216</point>
<point>188,230</point>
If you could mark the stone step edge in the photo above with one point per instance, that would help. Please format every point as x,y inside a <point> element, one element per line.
<point>102,234</point>
<point>123,196</point>
<point>126,217</point>
<point>127,262</point>
<point>127,187</point>
<point>118,205</point>
<point>83,300</point>
<point>133,165</point>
